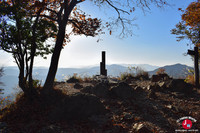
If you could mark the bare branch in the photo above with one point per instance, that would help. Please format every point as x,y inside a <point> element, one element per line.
<point>51,10</point>
<point>117,9</point>
<point>16,60</point>
<point>53,19</point>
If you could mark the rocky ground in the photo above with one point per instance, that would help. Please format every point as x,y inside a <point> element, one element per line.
<point>111,106</point>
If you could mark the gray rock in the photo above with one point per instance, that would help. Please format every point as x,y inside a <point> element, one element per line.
<point>138,89</point>
<point>84,105</point>
<point>122,90</point>
<point>180,86</point>
<point>159,77</point>
<point>78,86</point>
<point>162,84</point>
<point>154,87</point>
<point>141,128</point>
<point>113,81</point>
<point>87,89</point>
<point>101,79</point>
<point>72,80</point>
<point>169,106</point>
<point>155,78</point>
<point>100,90</point>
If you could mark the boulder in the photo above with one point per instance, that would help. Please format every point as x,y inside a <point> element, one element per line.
<point>162,84</point>
<point>84,105</point>
<point>122,90</point>
<point>73,80</point>
<point>129,79</point>
<point>113,81</point>
<point>100,90</point>
<point>155,78</point>
<point>159,77</point>
<point>154,87</point>
<point>78,106</point>
<point>138,89</point>
<point>78,86</point>
<point>87,89</point>
<point>101,79</point>
<point>179,85</point>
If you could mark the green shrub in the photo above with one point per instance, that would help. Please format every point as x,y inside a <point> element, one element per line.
<point>37,83</point>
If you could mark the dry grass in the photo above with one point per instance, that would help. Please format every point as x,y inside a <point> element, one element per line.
<point>134,73</point>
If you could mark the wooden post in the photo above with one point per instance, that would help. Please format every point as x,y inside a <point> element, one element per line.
<point>195,53</point>
<point>103,70</point>
<point>196,66</point>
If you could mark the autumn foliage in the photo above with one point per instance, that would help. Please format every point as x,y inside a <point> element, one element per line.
<point>192,14</point>
<point>160,71</point>
<point>189,27</point>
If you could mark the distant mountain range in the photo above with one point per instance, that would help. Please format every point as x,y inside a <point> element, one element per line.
<point>175,71</point>
<point>10,78</point>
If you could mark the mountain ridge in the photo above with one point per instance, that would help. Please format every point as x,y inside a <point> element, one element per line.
<point>10,77</point>
<point>176,70</point>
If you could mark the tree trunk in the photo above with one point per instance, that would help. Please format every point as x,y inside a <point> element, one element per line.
<point>62,22</point>
<point>21,79</point>
<point>33,50</point>
<point>55,59</point>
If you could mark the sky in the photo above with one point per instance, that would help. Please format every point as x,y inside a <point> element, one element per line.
<point>151,43</point>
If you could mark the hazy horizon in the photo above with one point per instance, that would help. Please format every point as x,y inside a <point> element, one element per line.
<point>96,65</point>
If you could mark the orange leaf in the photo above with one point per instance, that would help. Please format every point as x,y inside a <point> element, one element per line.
<point>110,32</point>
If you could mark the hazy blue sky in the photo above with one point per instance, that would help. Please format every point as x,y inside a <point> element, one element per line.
<point>152,44</point>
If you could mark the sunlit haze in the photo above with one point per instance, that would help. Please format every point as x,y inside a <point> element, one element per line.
<point>151,43</point>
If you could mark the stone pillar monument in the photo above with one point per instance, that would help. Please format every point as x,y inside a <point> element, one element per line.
<point>103,70</point>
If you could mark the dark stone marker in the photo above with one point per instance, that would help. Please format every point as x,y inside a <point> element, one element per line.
<point>103,70</point>
<point>195,53</point>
